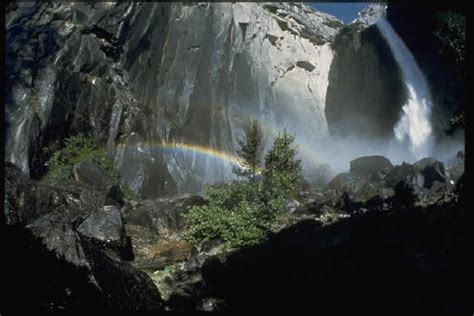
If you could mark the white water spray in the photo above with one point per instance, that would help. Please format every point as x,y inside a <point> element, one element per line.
<point>414,124</point>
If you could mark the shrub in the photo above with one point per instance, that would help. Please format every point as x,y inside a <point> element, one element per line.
<point>78,148</point>
<point>333,23</point>
<point>233,216</point>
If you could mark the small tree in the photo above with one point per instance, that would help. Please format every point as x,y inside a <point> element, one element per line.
<point>250,150</point>
<point>283,171</point>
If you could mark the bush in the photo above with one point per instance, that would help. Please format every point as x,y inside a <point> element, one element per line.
<point>78,148</point>
<point>333,23</point>
<point>234,216</point>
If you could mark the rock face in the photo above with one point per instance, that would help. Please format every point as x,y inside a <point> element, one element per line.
<point>365,92</point>
<point>65,247</point>
<point>419,25</point>
<point>121,72</point>
<point>372,13</point>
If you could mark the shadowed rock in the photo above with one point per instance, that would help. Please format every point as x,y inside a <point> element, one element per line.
<point>61,232</point>
<point>89,173</point>
<point>368,165</point>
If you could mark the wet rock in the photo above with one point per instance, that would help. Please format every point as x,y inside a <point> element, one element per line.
<point>24,202</point>
<point>404,172</point>
<point>432,170</point>
<point>115,71</point>
<point>89,173</point>
<point>421,174</point>
<point>355,110</point>
<point>104,226</point>
<point>369,165</point>
<point>345,181</point>
<point>455,167</point>
<point>163,215</point>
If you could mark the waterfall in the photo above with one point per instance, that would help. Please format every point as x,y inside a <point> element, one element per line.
<point>414,123</point>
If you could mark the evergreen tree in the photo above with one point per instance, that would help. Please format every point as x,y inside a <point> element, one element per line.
<point>250,150</point>
<point>283,171</point>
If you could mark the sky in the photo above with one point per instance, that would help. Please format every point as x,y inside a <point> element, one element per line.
<point>345,11</point>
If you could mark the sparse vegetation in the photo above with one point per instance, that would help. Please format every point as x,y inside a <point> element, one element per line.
<point>78,148</point>
<point>333,23</point>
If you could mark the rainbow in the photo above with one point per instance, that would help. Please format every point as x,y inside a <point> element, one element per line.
<point>204,150</point>
<point>187,148</point>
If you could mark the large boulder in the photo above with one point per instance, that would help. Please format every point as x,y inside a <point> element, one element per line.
<point>345,181</point>
<point>368,165</point>
<point>164,215</point>
<point>60,233</point>
<point>104,226</point>
<point>432,170</point>
<point>422,174</point>
<point>91,174</point>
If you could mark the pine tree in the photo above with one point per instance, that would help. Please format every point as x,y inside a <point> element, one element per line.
<point>283,171</point>
<point>250,150</point>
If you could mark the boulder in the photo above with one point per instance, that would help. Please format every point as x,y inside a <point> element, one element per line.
<point>345,181</point>
<point>369,165</point>
<point>91,174</point>
<point>163,215</point>
<point>432,170</point>
<point>422,174</point>
<point>405,172</point>
<point>104,226</point>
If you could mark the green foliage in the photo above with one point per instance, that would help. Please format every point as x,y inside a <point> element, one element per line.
<point>78,148</point>
<point>129,194</point>
<point>333,23</point>
<point>250,150</point>
<point>283,171</point>
<point>242,213</point>
<point>233,216</point>
<point>451,35</point>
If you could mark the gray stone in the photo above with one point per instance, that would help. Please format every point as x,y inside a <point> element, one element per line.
<point>105,226</point>
<point>368,165</point>
<point>150,75</point>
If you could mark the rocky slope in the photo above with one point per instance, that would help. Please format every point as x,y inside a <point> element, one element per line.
<point>68,250</point>
<point>122,72</point>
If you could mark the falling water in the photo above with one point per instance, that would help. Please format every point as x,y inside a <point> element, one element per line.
<point>414,124</point>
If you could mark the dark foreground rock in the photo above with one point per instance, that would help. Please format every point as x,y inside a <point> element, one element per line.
<point>65,251</point>
<point>390,261</point>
